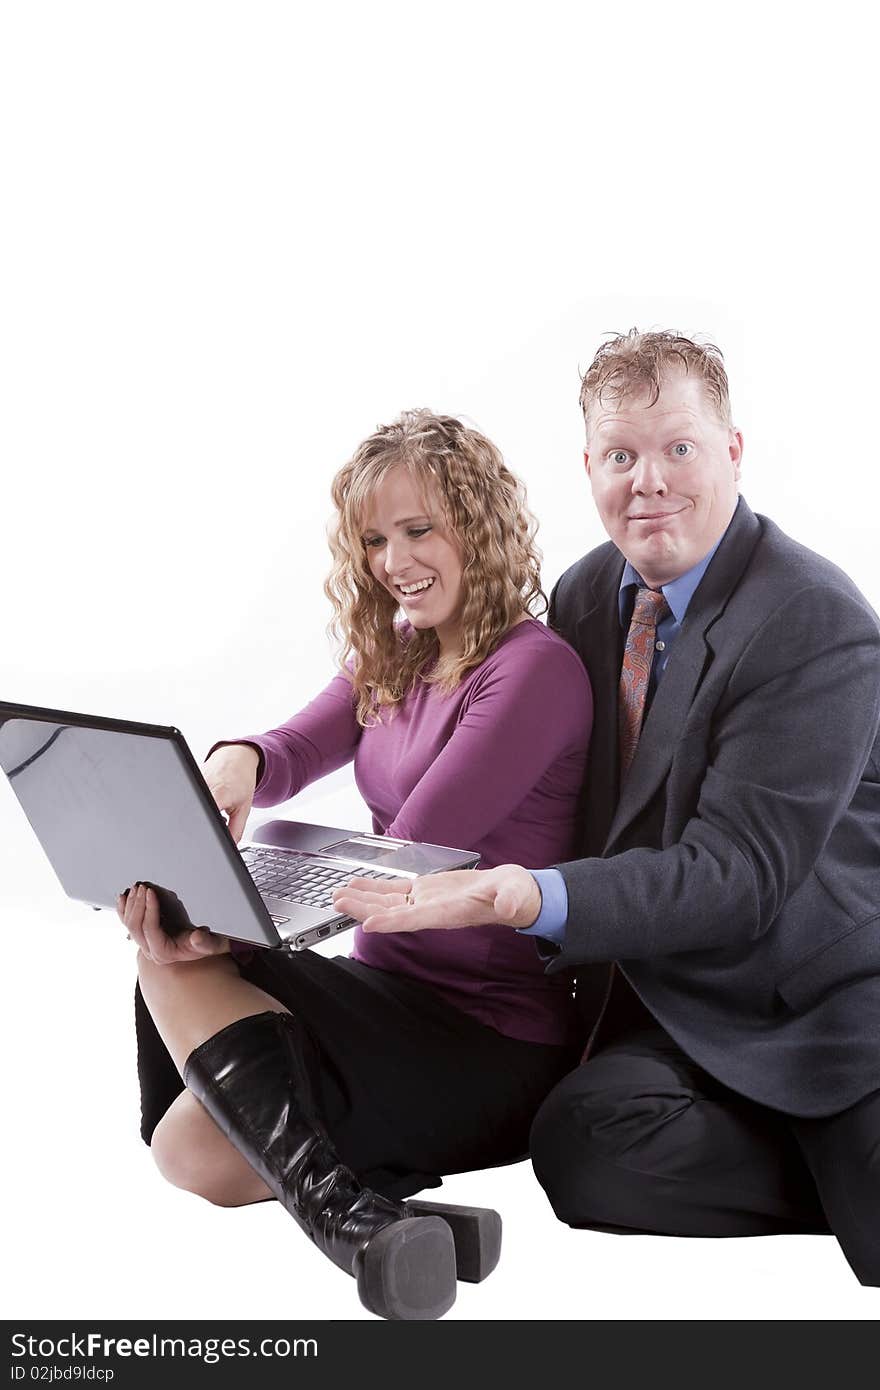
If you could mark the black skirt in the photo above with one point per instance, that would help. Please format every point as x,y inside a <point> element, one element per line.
<point>410,1087</point>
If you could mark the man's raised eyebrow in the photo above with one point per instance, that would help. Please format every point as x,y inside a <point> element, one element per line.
<point>683,424</point>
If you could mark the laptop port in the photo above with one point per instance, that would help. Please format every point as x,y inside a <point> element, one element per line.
<point>323,931</point>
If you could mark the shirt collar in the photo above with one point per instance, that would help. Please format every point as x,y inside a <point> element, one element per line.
<point>678,592</point>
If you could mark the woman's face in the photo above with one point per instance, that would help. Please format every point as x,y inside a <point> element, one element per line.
<point>412,554</point>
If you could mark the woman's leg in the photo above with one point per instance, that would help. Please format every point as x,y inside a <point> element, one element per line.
<point>191,1153</point>
<point>245,1060</point>
<point>256,1079</point>
<point>189,1003</point>
<point>192,1001</point>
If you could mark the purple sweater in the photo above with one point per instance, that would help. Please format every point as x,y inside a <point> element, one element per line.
<point>495,767</point>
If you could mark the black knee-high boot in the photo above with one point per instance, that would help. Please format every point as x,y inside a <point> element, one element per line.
<point>253,1079</point>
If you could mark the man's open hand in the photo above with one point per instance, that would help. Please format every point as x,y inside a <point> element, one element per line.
<point>507,896</point>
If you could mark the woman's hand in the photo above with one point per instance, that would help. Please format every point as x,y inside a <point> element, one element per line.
<point>506,896</point>
<point>231,775</point>
<point>138,911</point>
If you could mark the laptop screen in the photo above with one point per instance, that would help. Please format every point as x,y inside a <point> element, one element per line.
<point>112,807</point>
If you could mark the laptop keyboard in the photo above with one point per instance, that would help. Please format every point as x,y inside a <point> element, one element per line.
<point>300,878</point>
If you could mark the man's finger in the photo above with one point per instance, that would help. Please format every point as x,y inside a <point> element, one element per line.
<point>398,919</point>
<point>367,895</point>
<point>378,885</point>
<point>361,905</point>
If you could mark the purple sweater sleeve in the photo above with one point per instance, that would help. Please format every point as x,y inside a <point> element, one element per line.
<point>519,719</point>
<point>318,740</point>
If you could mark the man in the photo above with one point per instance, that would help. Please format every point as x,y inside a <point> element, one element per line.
<point>731,869</point>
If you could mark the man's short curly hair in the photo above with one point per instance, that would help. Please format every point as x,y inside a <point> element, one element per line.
<point>484,506</point>
<point>634,363</point>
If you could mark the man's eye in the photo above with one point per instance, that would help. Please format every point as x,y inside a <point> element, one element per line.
<point>619,458</point>
<point>681,450</point>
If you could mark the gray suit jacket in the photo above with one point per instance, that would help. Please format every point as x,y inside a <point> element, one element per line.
<point>736,879</point>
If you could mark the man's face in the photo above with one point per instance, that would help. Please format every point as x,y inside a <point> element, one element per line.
<point>664,476</point>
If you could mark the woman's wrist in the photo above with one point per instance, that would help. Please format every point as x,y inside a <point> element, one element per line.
<point>237,746</point>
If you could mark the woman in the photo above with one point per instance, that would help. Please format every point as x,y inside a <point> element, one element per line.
<point>420,1055</point>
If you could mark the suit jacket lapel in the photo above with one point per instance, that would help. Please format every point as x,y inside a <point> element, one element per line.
<point>600,643</point>
<point>687,664</point>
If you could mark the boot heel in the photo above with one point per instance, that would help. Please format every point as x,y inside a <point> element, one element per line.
<point>476,1232</point>
<point>407,1270</point>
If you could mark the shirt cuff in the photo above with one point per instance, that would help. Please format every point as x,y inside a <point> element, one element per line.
<point>551,920</point>
<point>246,743</point>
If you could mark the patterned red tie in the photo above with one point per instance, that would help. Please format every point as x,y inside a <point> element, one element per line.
<point>650,608</point>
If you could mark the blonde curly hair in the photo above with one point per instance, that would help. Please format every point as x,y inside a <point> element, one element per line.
<point>484,506</point>
<point>633,362</point>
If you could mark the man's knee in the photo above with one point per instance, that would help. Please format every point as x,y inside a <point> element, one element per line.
<point>596,1150</point>
<point>563,1156</point>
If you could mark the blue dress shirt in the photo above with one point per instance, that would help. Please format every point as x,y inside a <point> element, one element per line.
<point>551,920</point>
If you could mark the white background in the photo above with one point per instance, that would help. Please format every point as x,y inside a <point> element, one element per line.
<point>235,238</point>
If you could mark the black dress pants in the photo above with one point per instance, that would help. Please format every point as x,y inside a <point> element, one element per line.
<point>641,1139</point>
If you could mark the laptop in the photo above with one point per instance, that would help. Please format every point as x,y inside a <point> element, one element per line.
<point>114,803</point>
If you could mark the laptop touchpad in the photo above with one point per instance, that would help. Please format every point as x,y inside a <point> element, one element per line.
<point>363,851</point>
